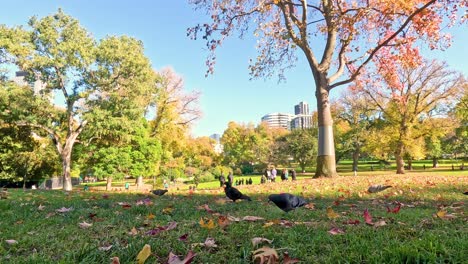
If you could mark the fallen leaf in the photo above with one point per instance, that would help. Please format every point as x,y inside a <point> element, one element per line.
<point>442,214</point>
<point>105,248</point>
<point>105,196</point>
<point>11,241</point>
<point>174,259</point>
<point>85,225</point>
<point>394,210</point>
<point>233,219</point>
<point>150,216</point>
<point>258,240</point>
<point>288,260</point>
<point>252,218</point>
<point>183,237</point>
<point>159,229</point>
<point>310,206</point>
<point>265,255</point>
<point>380,223</point>
<point>352,222</point>
<point>133,232</point>
<point>115,260</point>
<point>207,223</point>
<point>223,221</point>
<point>210,243</point>
<point>168,210</point>
<point>144,254</point>
<point>336,231</point>
<point>332,214</point>
<point>40,207</point>
<point>367,217</point>
<point>64,210</point>
<point>206,208</point>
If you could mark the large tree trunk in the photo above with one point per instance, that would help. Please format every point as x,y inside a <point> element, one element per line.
<point>355,158</point>
<point>65,153</point>
<point>109,183</point>
<point>66,168</point>
<point>435,162</point>
<point>399,158</point>
<point>326,166</point>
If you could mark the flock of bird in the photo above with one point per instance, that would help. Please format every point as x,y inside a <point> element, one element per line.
<point>285,201</point>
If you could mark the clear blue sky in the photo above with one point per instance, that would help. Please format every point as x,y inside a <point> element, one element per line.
<point>228,95</point>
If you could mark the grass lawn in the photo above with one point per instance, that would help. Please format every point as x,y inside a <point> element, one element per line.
<point>92,227</point>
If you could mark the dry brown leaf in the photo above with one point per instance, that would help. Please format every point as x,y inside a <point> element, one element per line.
<point>289,260</point>
<point>265,255</point>
<point>174,259</point>
<point>133,232</point>
<point>40,207</point>
<point>64,210</point>
<point>223,221</point>
<point>310,206</point>
<point>336,231</point>
<point>115,260</point>
<point>85,225</point>
<point>258,240</point>
<point>105,248</point>
<point>380,223</point>
<point>252,218</point>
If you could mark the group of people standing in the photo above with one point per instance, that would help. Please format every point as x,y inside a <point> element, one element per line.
<point>270,175</point>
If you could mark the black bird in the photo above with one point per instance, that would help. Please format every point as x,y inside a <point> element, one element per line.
<point>234,194</point>
<point>287,201</point>
<point>159,192</point>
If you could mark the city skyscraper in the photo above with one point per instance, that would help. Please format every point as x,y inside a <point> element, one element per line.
<point>303,119</point>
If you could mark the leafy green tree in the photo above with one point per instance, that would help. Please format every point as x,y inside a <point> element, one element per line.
<point>301,145</point>
<point>104,82</point>
<point>354,109</point>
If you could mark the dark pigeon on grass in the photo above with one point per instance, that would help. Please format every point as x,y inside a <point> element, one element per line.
<point>159,192</point>
<point>287,201</point>
<point>234,194</point>
<point>377,188</point>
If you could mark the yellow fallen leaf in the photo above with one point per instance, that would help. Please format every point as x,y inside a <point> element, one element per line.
<point>441,213</point>
<point>144,254</point>
<point>207,223</point>
<point>150,216</point>
<point>332,214</point>
<point>168,210</point>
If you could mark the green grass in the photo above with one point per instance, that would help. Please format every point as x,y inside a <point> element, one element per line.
<point>414,235</point>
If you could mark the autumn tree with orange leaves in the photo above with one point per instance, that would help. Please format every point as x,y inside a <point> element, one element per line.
<point>339,39</point>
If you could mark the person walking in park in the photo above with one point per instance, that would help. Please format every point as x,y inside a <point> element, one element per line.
<point>273,174</point>
<point>293,174</point>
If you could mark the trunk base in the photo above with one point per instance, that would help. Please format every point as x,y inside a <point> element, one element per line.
<point>326,167</point>
<point>67,185</point>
